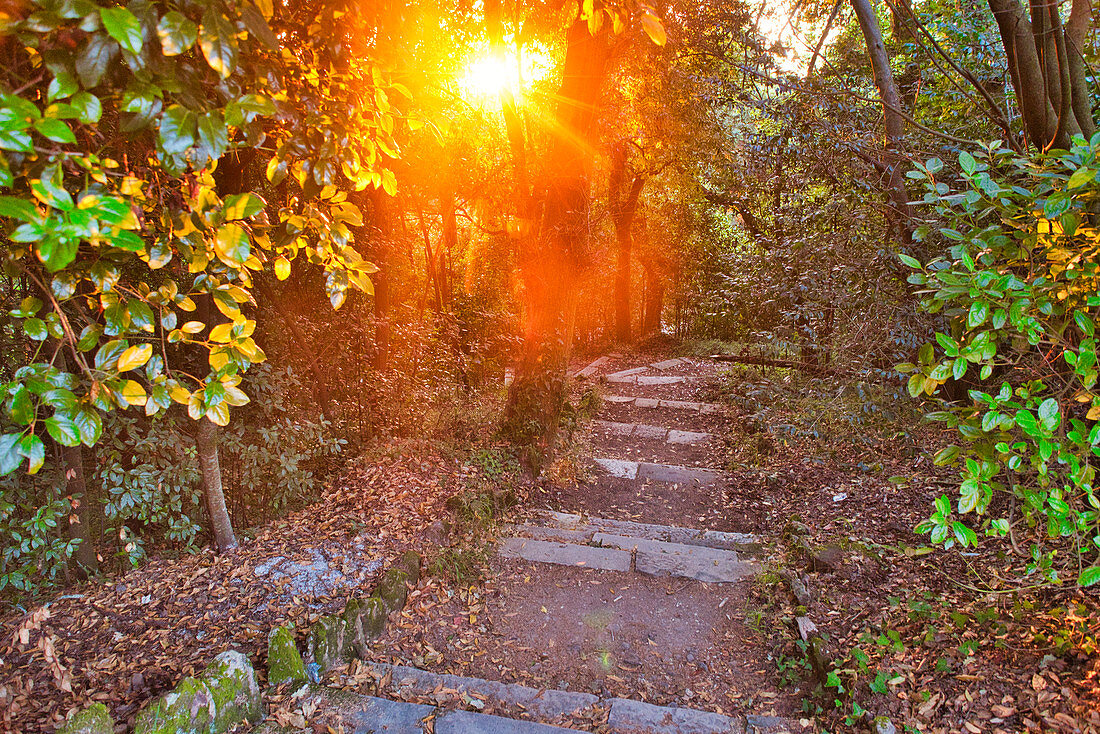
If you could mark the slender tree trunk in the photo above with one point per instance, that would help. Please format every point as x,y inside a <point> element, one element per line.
<point>551,260</point>
<point>206,441</point>
<point>80,527</point>
<point>893,120</point>
<point>376,246</point>
<point>623,206</point>
<point>654,298</point>
<point>450,241</point>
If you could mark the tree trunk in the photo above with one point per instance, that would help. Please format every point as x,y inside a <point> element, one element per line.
<point>893,120</point>
<point>1047,68</point>
<point>80,528</point>
<point>206,441</point>
<point>551,259</point>
<point>623,206</point>
<point>654,298</point>
<point>375,246</point>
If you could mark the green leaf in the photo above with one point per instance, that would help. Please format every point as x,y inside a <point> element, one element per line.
<point>63,430</point>
<point>10,458</point>
<point>979,312</point>
<point>218,42</point>
<point>122,26</point>
<point>16,208</point>
<point>177,130</point>
<point>31,446</point>
<point>35,329</point>
<point>243,206</point>
<point>1088,577</point>
<point>963,534</point>
<point>231,244</point>
<point>1081,177</point>
<point>967,162</point>
<point>57,252</point>
<point>946,455</point>
<point>258,27</point>
<point>1048,414</point>
<point>93,61</point>
<point>88,107</point>
<point>176,33</point>
<point>213,136</point>
<point>89,424</point>
<point>910,261</point>
<point>55,130</point>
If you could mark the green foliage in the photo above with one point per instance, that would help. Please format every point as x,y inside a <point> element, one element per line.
<point>1020,295</point>
<point>120,231</point>
<point>31,513</point>
<point>274,458</point>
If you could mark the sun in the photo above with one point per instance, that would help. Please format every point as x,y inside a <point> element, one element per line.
<point>491,74</point>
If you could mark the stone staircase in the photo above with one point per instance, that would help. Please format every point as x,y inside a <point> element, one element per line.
<point>414,701</point>
<point>410,700</point>
<point>617,545</point>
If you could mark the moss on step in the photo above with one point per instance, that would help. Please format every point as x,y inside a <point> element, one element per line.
<point>188,708</point>
<point>284,662</point>
<point>93,719</point>
<point>231,680</point>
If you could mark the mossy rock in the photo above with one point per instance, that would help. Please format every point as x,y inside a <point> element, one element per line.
<point>232,682</point>
<point>373,615</point>
<point>392,589</point>
<point>93,719</point>
<point>284,662</point>
<point>410,562</point>
<point>188,708</point>
<point>355,638</point>
<point>326,643</point>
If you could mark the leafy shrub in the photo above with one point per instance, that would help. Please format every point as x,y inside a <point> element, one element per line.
<point>1019,291</point>
<point>31,512</point>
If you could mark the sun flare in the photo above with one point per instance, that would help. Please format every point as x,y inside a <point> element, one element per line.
<point>490,75</point>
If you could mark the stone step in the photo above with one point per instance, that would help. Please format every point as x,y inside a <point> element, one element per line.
<point>610,552</point>
<point>667,404</point>
<point>631,377</point>
<point>565,554</point>
<point>545,704</point>
<point>586,527</point>
<point>668,364</point>
<point>625,716</point>
<point>670,473</point>
<point>592,368</point>
<point>657,433</point>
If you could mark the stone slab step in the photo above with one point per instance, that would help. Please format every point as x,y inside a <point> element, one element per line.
<point>658,558</point>
<point>565,554</point>
<point>592,368</point>
<point>623,374</point>
<point>542,703</point>
<point>636,379</point>
<point>626,716</point>
<point>637,717</point>
<point>670,473</point>
<point>668,364</point>
<point>575,528</point>
<point>667,404</point>
<point>657,433</point>
<point>611,552</point>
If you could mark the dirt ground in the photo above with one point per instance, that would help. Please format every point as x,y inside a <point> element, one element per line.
<point>943,642</point>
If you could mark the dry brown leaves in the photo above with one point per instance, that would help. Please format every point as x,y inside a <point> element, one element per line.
<point>124,640</point>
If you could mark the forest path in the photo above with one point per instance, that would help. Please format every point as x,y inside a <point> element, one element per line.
<point>631,589</point>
